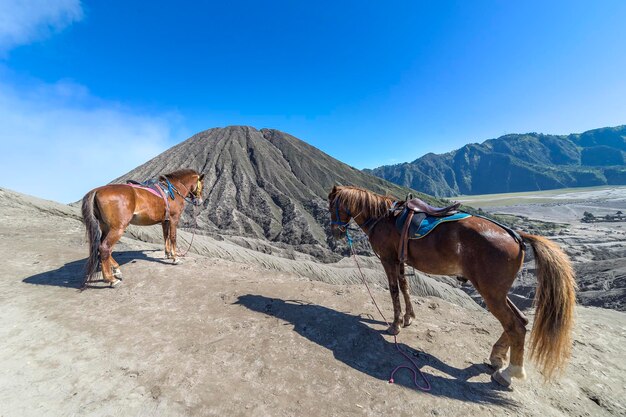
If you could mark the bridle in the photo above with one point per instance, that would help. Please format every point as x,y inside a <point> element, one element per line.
<point>341,225</point>
<point>369,223</point>
<point>196,196</point>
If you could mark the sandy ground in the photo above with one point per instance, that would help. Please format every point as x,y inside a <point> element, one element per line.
<point>219,337</point>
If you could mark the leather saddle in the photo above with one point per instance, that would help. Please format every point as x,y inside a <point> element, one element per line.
<point>413,207</point>
<point>420,206</point>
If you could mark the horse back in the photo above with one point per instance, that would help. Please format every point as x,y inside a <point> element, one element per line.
<point>457,248</point>
<point>120,205</point>
<point>489,249</point>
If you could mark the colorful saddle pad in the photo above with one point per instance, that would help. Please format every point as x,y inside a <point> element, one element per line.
<point>421,224</point>
<point>155,187</point>
<point>143,187</point>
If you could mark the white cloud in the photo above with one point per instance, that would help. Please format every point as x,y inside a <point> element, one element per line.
<point>57,141</point>
<point>25,21</point>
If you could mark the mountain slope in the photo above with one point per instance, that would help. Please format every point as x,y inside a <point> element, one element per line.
<point>263,184</point>
<point>514,163</point>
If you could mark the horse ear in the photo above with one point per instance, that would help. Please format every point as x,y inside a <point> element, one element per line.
<point>332,192</point>
<point>201,177</point>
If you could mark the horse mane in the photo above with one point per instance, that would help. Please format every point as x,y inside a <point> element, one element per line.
<point>180,174</point>
<point>361,200</point>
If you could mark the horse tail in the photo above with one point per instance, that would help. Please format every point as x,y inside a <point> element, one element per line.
<point>555,299</point>
<point>94,234</point>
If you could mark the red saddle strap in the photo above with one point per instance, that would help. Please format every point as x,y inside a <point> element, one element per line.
<point>403,247</point>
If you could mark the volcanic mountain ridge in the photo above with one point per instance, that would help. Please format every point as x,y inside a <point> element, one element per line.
<point>266,185</point>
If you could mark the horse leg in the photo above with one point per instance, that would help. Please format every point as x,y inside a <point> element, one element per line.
<point>392,270</point>
<point>166,238</point>
<point>172,232</point>
<point>500,352</point>
<point>115,267</point>
<point>516,333</point>
<point>106,249</point>
<point>409,314</point>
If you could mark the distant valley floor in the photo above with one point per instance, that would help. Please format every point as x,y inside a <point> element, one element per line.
<point>597,249</point>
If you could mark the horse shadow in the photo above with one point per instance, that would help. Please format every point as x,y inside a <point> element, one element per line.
<point>359,346</point>
<point>72,274</point>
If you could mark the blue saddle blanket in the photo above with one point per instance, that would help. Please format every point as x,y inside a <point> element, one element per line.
<point>421,224</point>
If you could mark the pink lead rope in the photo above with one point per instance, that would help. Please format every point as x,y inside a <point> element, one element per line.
<point>414,369</point>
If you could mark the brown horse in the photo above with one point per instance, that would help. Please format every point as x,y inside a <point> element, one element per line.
<point>489,257</point>
<point>108,210</point>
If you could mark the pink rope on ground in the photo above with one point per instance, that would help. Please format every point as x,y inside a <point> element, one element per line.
<point>414,369</point>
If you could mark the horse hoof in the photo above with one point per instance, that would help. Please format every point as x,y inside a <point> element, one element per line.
<point>407,321</point>
<point>115,283</point>
<point>393,330</point>
<point>176,261</point>
<point>500,379</point>
<point>117,273</point>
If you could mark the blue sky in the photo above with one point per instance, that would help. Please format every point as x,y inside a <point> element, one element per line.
<point>89,90</point>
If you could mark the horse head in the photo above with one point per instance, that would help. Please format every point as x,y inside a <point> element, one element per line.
<point>188,184</point>
<point>339,214</point>
<point>197,189</point>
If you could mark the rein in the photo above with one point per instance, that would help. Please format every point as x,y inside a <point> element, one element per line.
<point>195,228</point>
<point>370,228</point>
<point>171,188</point>
<point>415,370</point>
<point>413,367</point>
